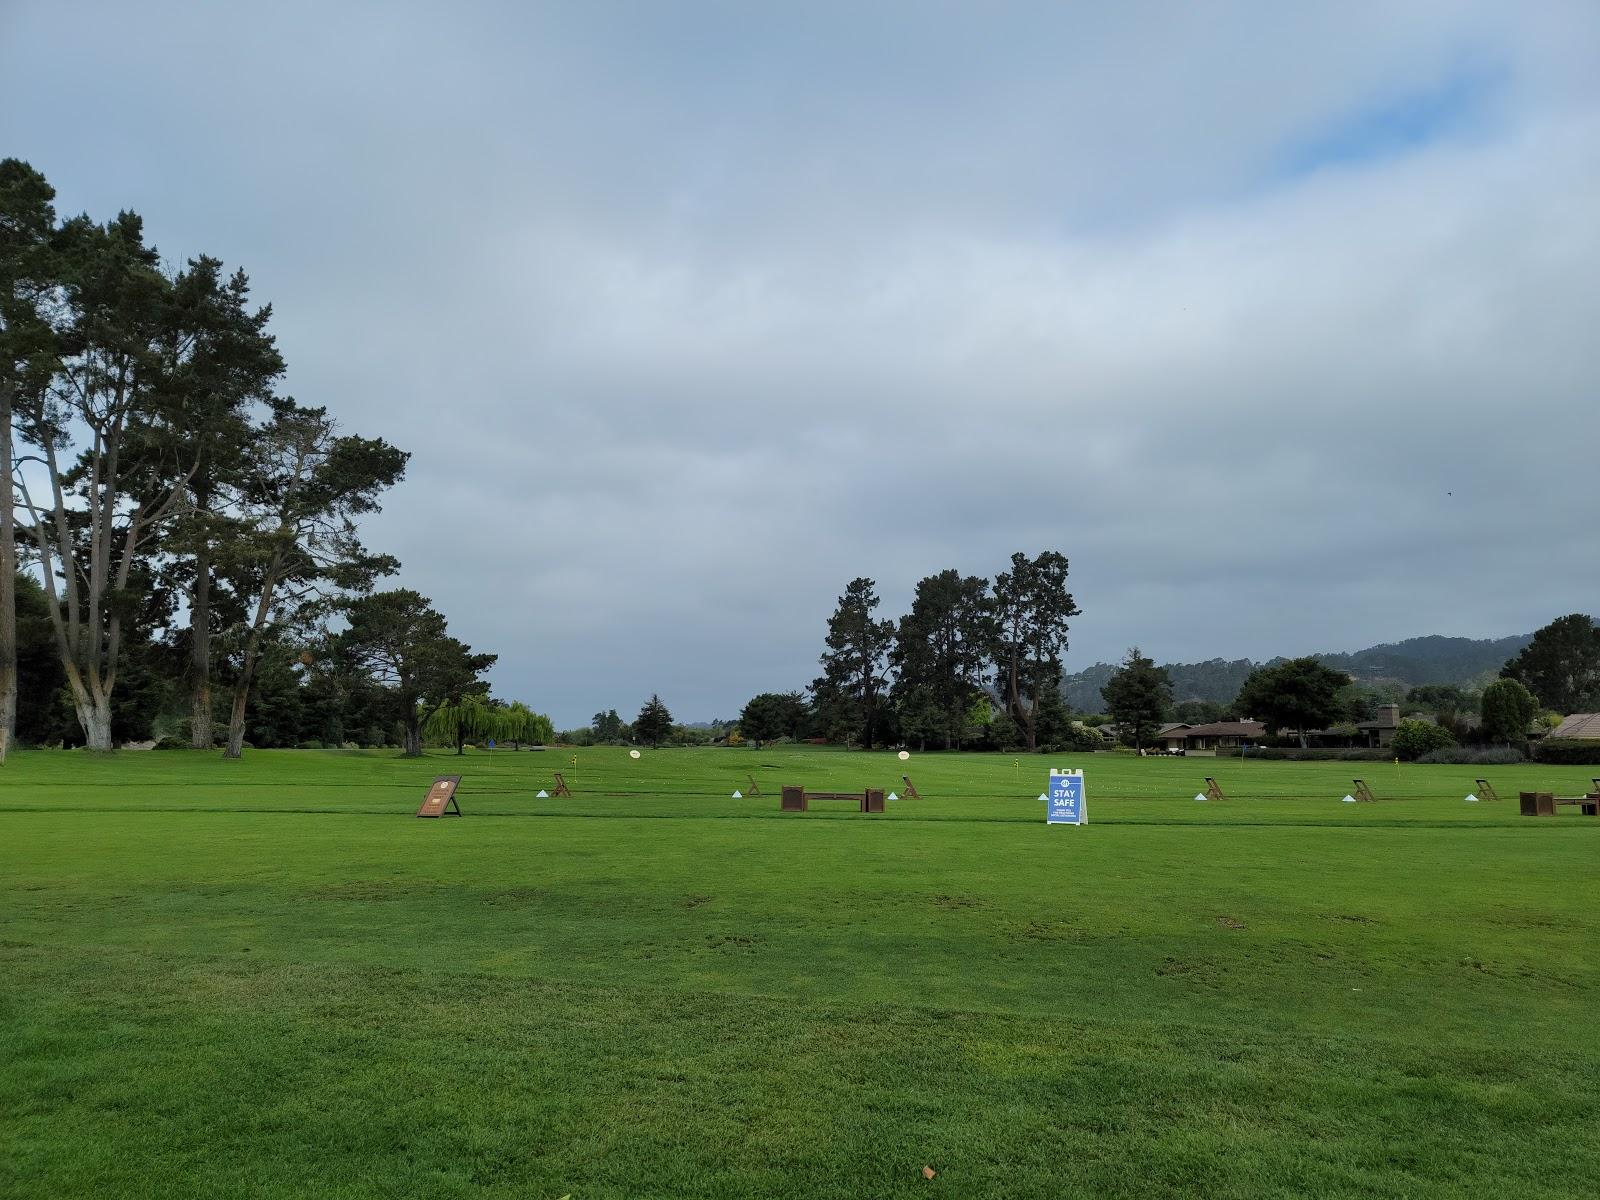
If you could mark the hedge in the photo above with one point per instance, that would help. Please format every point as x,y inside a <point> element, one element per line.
<point>1571,751</point>
<point>1475,756</point>
<point>1316,754</point>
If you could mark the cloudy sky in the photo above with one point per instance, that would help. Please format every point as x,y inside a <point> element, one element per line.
<point>1281,321</point>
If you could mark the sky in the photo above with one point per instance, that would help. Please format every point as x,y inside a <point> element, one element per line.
<point>1278,320</point>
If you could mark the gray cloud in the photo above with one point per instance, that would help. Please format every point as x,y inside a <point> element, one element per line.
<point>692,313</point>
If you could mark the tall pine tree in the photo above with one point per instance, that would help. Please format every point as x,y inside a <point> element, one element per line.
<point>854,667</point>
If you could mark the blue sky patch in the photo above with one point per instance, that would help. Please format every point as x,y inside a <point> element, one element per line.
<point>1397,124</point>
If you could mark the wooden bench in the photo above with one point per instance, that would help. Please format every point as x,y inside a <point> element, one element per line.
<point>797,799</point>
<point>1543,804</point>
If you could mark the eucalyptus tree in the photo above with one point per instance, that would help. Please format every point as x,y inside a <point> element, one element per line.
<point>297,545</point>
<point>27,337</point>
<point>1031,609</point>
<point>403,644</point>
<point>109,450</point>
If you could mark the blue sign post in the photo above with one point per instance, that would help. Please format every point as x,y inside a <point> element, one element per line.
<point>1066,805</point>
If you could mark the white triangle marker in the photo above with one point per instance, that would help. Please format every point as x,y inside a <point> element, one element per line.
<point>1045,798</point>
<point>1200,796</point>
<point>892,796</point>
<point>543,795</point>
<point>1348,800</point>
<point>1471,799</point>
<point>737,795</point>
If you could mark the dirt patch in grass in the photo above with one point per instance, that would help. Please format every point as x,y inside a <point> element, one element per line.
<point>733,943</point>
<point>954,902</point>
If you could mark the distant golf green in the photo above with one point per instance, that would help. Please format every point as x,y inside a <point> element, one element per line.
<point>268,979</point>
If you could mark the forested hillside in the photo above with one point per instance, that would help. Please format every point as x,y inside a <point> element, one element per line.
<point>1415,661</point>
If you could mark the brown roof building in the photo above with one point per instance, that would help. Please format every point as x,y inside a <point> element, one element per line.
<point>1578,725</point>
<point>1222,735</point>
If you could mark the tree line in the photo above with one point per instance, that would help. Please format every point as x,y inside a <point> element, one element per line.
<point>178,538</point>
<point>975,663</point>
<point>1557,673</point>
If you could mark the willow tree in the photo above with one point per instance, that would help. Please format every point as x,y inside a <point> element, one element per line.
<point>471,718</point>
<point>522,724</point>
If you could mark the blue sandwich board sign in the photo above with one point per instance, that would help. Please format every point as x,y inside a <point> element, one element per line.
<point>1066,803</point>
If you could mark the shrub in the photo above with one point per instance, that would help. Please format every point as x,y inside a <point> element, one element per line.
<point>1413,739</point>
<point>309,746</point>
<point>1508,708</point>
<point>1469,756</point>
<point>1315,754</point>
<point>171,743</point>
<point>1075,738</point>
<point>1572,751</point>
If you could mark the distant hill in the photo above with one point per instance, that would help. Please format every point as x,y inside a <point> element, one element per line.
<point>1415,661</point>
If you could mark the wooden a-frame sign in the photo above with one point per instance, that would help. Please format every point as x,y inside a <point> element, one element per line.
<point>441,797</point>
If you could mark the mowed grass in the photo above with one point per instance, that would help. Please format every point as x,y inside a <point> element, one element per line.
<point>268,979</point>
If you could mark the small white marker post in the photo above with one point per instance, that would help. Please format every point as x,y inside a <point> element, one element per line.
<point>737,795</point>
<point>543,795</point>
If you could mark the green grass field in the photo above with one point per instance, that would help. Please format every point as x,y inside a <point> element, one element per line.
<point>267,979</point>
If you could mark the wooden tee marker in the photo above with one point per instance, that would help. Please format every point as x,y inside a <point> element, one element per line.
<point>911,788</point>
<point>755,788</point>
<point>561,786</point>
<point>1363,792</point>
<point>1213,789</point>
<point>1486,790</point>
<point>441,797</point>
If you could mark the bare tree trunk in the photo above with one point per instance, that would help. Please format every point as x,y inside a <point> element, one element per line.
<point>413,748</point>
<point>96,723</point>
<point>202,727</point>
<point>93,708</point>
<point>241,697</point>
<point>247,672</point>
<point>8,581</point>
